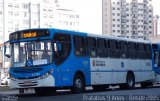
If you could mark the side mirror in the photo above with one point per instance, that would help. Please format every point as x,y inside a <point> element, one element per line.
<point>7,52</point>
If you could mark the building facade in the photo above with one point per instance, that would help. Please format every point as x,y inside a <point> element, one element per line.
<point>24,14</point>
<point>127,18</point>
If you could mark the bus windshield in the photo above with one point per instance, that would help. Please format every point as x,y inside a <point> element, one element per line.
<point>33,53</point>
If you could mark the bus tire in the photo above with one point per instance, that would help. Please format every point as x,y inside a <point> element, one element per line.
<point>130,81</point>
<point>78,84</point>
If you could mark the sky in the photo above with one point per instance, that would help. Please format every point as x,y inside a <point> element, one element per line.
<point>91,15</point>
<point>156,7</point>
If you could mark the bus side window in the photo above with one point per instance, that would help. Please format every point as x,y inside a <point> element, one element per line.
<point>62,46</point>
<point>148,51</point>
<point>91,47</point>
<point>102,48</point>
<point>113,49</point>
<point>132,50</point>
<point>141,51</point>
<point>123,49</point>
<point>79,46</point>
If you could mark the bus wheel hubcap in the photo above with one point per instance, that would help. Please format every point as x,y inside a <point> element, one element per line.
<point>130,81</point>
<point>78,83</point>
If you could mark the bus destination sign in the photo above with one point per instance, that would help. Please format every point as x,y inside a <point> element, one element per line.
<point>28,34</point>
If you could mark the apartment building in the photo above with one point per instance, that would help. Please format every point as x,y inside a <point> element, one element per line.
<point>23,14</point>
<point>127,18</point>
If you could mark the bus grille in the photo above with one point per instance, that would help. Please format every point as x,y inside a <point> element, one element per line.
<point>26,70</point>
<point>33,83</point>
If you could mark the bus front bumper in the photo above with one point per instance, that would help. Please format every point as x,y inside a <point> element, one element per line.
<point>33,83</point>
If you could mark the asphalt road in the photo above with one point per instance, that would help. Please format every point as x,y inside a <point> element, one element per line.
<point>111,94</point>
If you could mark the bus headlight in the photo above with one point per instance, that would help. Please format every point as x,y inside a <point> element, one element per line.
<point>50,71</point>
<point>12,78</point>
<point>44,76</point>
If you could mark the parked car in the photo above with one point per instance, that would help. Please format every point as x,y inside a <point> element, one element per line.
<point>5,81</point>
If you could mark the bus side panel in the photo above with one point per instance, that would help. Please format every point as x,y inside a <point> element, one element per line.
<point>72,65</point>
<point>107,71</point>
<point>121,70</point>
<point>100,71</point>
<point>114,71</point>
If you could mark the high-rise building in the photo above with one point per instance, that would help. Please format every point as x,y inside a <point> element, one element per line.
<point>127,18</point>
<point>156,25</point>
<point>106,17</point>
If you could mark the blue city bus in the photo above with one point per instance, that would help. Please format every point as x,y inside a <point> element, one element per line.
<point>51,59</point>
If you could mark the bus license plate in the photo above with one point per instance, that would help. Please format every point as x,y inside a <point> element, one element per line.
<point>27,83</point>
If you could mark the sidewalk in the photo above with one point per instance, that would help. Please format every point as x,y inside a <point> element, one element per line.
<point>6,90</point>
<point>10,92</point>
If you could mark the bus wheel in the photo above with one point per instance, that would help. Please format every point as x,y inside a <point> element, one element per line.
<point>130,81</point>
<point>78,84</point>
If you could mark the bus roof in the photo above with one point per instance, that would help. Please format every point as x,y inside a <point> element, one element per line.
<point>72,32</point>
<point>103,36</point>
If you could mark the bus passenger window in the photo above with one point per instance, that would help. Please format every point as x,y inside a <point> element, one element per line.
<point>62,47</point>
<point>141,52</point>
<point>102,48</point>
<point>148,51</point>
<point>113,49</point>
<point>123,49</point>
<point>132,50</point>
<point>91,47</point>
<point>79,46</point>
